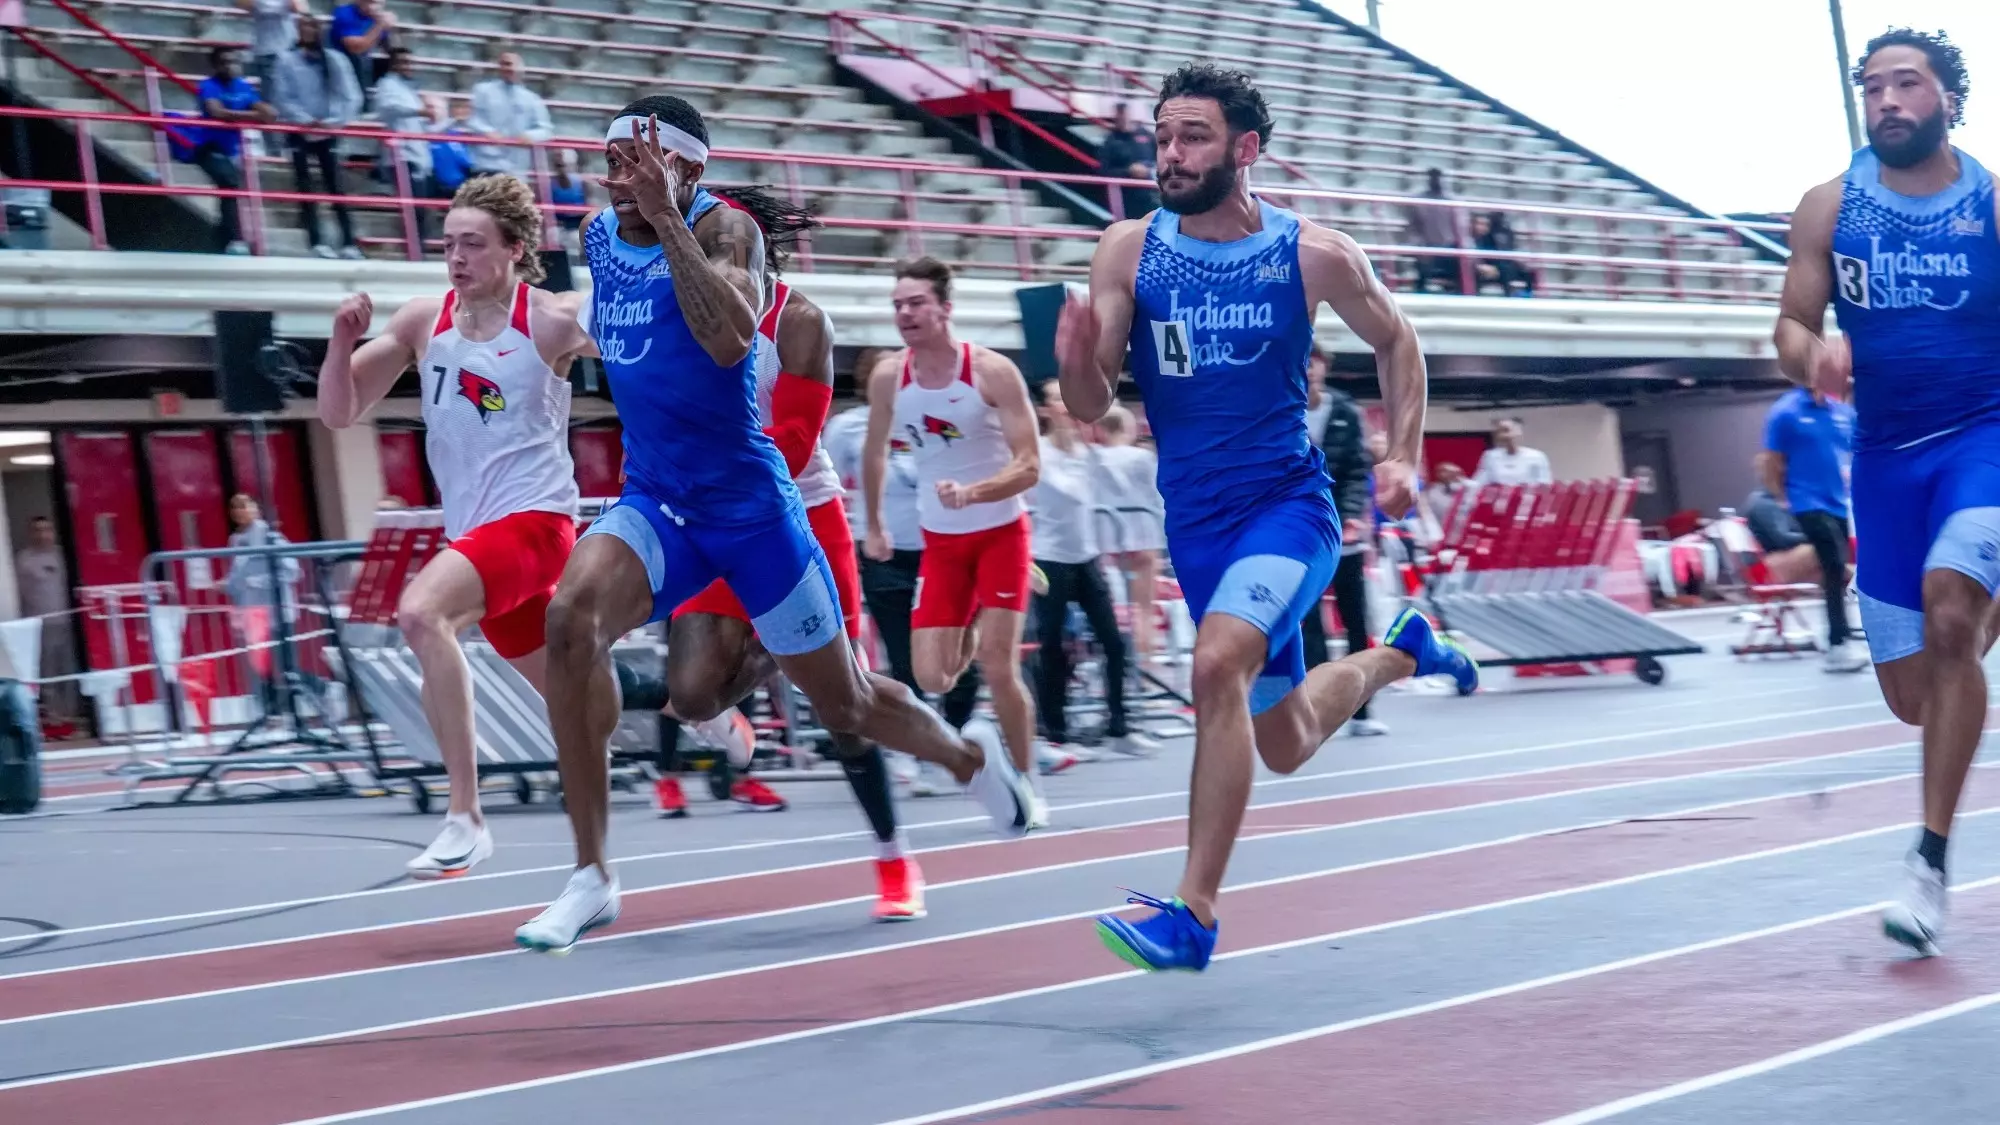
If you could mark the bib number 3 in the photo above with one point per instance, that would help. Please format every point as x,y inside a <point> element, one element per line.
<point>1170,344</point>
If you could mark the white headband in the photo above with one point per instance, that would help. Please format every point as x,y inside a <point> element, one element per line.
<point>671,139</point>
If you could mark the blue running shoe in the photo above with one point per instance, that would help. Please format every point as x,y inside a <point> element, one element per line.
<point>1171,939</point>
<point>1435,653</point>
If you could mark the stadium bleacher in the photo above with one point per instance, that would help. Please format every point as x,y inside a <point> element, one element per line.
<point>1353,115</point>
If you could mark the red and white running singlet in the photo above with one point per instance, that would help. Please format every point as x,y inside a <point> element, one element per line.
<point>954,434</point>
<point>818,482</point>
<point>498,422</point>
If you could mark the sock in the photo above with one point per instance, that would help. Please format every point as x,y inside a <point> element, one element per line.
<point>1930,846</point>
<point>1361,712</point>
<point>670,746</point>
<point>868,776</point>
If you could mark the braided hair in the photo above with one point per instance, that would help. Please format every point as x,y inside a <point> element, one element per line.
<point>782,221</point>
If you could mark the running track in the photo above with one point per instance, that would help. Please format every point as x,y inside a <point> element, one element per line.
<point>1580,903</point>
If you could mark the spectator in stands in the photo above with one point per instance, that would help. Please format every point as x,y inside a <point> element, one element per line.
<point>1444,493</point>
<point>273,30</point>
<point>317,87</point>
<point>227,96</point>
<point>1491,231</point>
<point>1436,226</point>
<point>1348,462</point>
<point>1809,443</point>
<point>402,108</point>
<point>503,107</point>
<point>1510,462</point>
<point>566,188</point>
<point>451,161</point>
<point>365,30</point>
<point>41,577</point>
<point>1128,152</point>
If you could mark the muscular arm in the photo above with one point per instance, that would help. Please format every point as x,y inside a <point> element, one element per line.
<point>718,279</point>
<point>353,379</point>
<point>1090,381</point>
<point>875,448</point>
<point>804,391</point>
<point>1001,385</point>
<point>1337,272</point>
<point>1801,331</point>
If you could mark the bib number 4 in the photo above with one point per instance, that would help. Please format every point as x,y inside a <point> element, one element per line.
<point>1171,345</point>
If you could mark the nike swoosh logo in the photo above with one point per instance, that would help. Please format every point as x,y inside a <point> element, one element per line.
<point>508,352</point>
<point>458,860</point>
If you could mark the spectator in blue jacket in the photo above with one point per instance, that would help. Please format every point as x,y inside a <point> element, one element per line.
<point>227,96</point>
<point>364,31</point>
<point>451,161</point>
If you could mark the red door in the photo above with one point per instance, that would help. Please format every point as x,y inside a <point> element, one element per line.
<point>191,509</point>
<point>293,517</point>
<point>100,474</point>
<point>1463,450</point>
<point>402,467</point>
<point>599,453</point>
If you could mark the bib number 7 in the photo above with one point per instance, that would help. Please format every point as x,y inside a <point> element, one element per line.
<point>1171,346</point>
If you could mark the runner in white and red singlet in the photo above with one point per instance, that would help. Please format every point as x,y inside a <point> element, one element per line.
<point>965,413</point>
<point>492,356</point>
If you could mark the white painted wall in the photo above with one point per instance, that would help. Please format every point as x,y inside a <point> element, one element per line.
<point>1712,442</point>
<point>1581,440</point>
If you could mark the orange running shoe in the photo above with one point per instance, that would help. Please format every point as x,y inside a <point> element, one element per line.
<point>668,798</point>
<point>900,887</point>
<point>755,796</point>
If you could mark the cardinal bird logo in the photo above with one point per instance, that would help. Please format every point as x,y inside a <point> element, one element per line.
<point>938,427</point>
<point>483,393</point>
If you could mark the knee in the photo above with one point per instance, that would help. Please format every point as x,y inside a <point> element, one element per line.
<point>933,679</point>
<point>1954,628</point>
<point>695,697</point>
<point>571,624</point>
<point>1218,678</point>
<point>422,622</point>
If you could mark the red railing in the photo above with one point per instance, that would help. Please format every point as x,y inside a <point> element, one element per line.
<point>255,196</point>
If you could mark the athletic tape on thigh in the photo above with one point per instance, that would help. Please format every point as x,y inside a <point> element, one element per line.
<point>1969,543</point>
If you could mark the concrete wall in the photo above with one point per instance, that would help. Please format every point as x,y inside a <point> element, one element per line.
<point>1712,444</point>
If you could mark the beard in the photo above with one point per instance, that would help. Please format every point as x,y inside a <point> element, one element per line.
<point>1923,139</point>
<point>1208,192</point>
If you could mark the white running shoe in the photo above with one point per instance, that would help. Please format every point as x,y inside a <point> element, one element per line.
<point>1052,759</point>
<point>1845,657</point>
<point>1038,812</point>
<point>588,902</point>
<point>1916,918</point>
<point>459,847</point>
<point>1366,728</point>
<point>930,780</point>
<point>1135,744</point>
<point>998,785</point>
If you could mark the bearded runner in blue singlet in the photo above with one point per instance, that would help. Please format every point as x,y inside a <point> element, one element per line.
<point>678,280</point>
<point>1216,294</point>
<point>1906,245</point>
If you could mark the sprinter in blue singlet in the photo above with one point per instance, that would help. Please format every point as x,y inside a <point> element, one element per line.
<point>1215,294</point>
<point>678,278</point>
<point>1906,246</point>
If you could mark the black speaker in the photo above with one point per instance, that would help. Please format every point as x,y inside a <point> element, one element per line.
<point>1041,306</point>
<point>555,263</point>
<point>242,373</point>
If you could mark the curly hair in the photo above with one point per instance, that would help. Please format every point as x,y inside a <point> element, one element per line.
<point>512,206</point>
<point>1946,60</point>
<point>781,220</point>
<point>1243,105</point>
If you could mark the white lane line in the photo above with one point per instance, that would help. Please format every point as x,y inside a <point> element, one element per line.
<point>1324,1030</point>
<point>735,919</point>
<point>832,837</point>
<point>1821,1049</point>
<point>1009,927</point>
<point>1211,1056</point>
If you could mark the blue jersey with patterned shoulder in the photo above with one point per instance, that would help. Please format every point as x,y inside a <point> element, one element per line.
<point>692,435</point>
<point>1917,292</point>
<point>1220,337</point>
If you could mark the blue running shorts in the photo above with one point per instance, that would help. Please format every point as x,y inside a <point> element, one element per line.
<point>1930,506</point>
<point>1271,571</point>
<point>775,567</point>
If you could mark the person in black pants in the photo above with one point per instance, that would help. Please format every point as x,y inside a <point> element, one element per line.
<point>1808,441</point>
<point>1348,463</point>
<point>227,96</point>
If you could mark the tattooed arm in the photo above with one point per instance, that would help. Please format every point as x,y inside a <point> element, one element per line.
<point>718,279</point>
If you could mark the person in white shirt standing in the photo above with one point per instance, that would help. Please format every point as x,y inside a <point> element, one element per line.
<point>503,107</point>
<point>1129,475</point>
<point>1510,462</point>
<point>965,412</point>
<point>1067,506</point>
<point>492,356</point>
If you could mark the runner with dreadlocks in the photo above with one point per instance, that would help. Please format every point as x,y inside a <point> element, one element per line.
<point>714,659</point>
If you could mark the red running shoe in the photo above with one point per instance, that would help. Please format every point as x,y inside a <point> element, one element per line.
<point>755,796</point>
<point>668,798</point>
<point>899,890</point>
